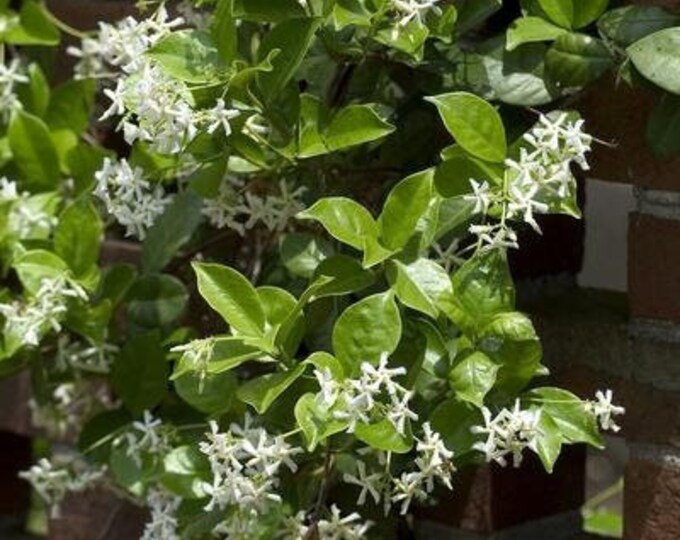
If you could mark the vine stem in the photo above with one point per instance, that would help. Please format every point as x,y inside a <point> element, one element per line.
<point>313,530</point>
<point>67,29</point>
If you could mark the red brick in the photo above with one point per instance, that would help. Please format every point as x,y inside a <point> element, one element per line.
<point>85,14</point>
<point>618,114</point>
<point>15,415</point>
<point>97,514</point>
<point>16,455</point>
<point>651,501</point>
<point>484,499</point>
<point>653,263</point>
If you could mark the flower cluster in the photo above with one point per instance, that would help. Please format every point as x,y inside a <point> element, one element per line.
<point>245,462</point>
<point>432,464</point>
<point>82,356</point>
<point>148,436</point>
<point>121,45</point>
<point>509,432</point>
<point>10,75</point>
<point>239,209</point>
<point>358,400</point>
<point>604,410</point>
<point>27,218</point>
<point>53,481</point>
<point>133,201</point>
<point>163,523</point>
<point>30,320</point>
<point>537,182</point>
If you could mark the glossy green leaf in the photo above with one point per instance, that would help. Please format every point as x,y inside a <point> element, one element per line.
<point>628,24</point>
<point>340,275</point>
<point>139,373</point>
<point>405,205</point>
<point>224,31</point>
<point>656,57</point>
<point>156,300</point>
<point>531,30</point>
<point>302,253</point>
<point>186,472</point>
<point>35,26</point>
<point>548,441</point>
<point>35,96</point>
<point>210,393</point>
<point>383,436</point>
<point>187,55</point>
<point>472,377</point>
<point>344,219</point>
<point>316,422</point>
<point>71,106</point>
<point>77,237</point>
<point>577,59</point>
<point>452,419</point>
<point>292,38</point>
<point>419,284</point>
<point>37,265</point>
<point>171,231</point>
<point>366,330</point>
<point>569,413</point>
<point>560,11</point>
<point>34,152</point>
<point>232,296</point>
<point>261,392</point>
<point>474,123</point>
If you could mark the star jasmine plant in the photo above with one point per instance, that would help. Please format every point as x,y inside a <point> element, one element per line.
<point>255,254</point>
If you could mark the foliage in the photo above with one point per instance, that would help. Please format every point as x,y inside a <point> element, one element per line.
<point>322,194</point>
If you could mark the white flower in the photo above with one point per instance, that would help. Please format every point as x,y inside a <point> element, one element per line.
<point>32,319</point>
<point>411,10</point>
<point>492,237</point>
<point>131,199</point>
<point>509,432</point>
<point>481,196</point>
<point>224,209</point>
<point>372,484</point>
<point>220,115</point>
<point>163,523</point>
<point>272,210</point>
<point>10,75</point>
<point>146,436</point>
<point>604,410</point>
<point>52,480</point>
<point>337,527</point>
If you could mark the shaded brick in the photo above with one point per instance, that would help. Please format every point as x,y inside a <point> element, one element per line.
<point>486,499</point>
<point>653,262</point>
<point>651,501</point>
<point>97,514</point>
<point>618,114</point>
<point>16,455</point>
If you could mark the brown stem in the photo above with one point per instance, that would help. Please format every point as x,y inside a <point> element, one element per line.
<point>313,530</point>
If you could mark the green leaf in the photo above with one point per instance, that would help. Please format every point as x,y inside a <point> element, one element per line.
<point>344,219</point>
<point>316,422</point>
<point>628,24</point>
<point>224,31</point>
<point>35,26</point>
<point>453,213</point>
<point>587,12</point>
<point>452,176</point>
<point>384,436</point>
<point>663,126</point>
<point>116,281</point>
<point>186,472</point>
<point>340,275</point>
<point>656,57</point>
<point>78,236</point>
<point>35,96</point>
<point>560,11</point>
<point>228,352</point>
<point>232,296</point>
<point>187,55</point>
<point>37,265</point>
<point>452,419</point>
<point>302,253</point>
<point>285,321</point>
<point>210,393</point>
<point>410,39</point>
<point>322,131</point>
<point>71,105</point>
<point>292,38</point>
<point>548,441</point>
<point>474,123</point>
<point>34,152</point>
<point>405,205</point>
<point>171,231</point>
<point>482,288</point>
<point>577,59</point>
<point>139,373</point>
<point>531,30</point>
<point>156,300</point>
<point>575,424</point>
<point>472,14</point>
<point>268,10</point>
<point>351,13</point>
<point>366,330</point>
<point>261,392</point>
<point>473,376</point>
<point>419,284</point>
